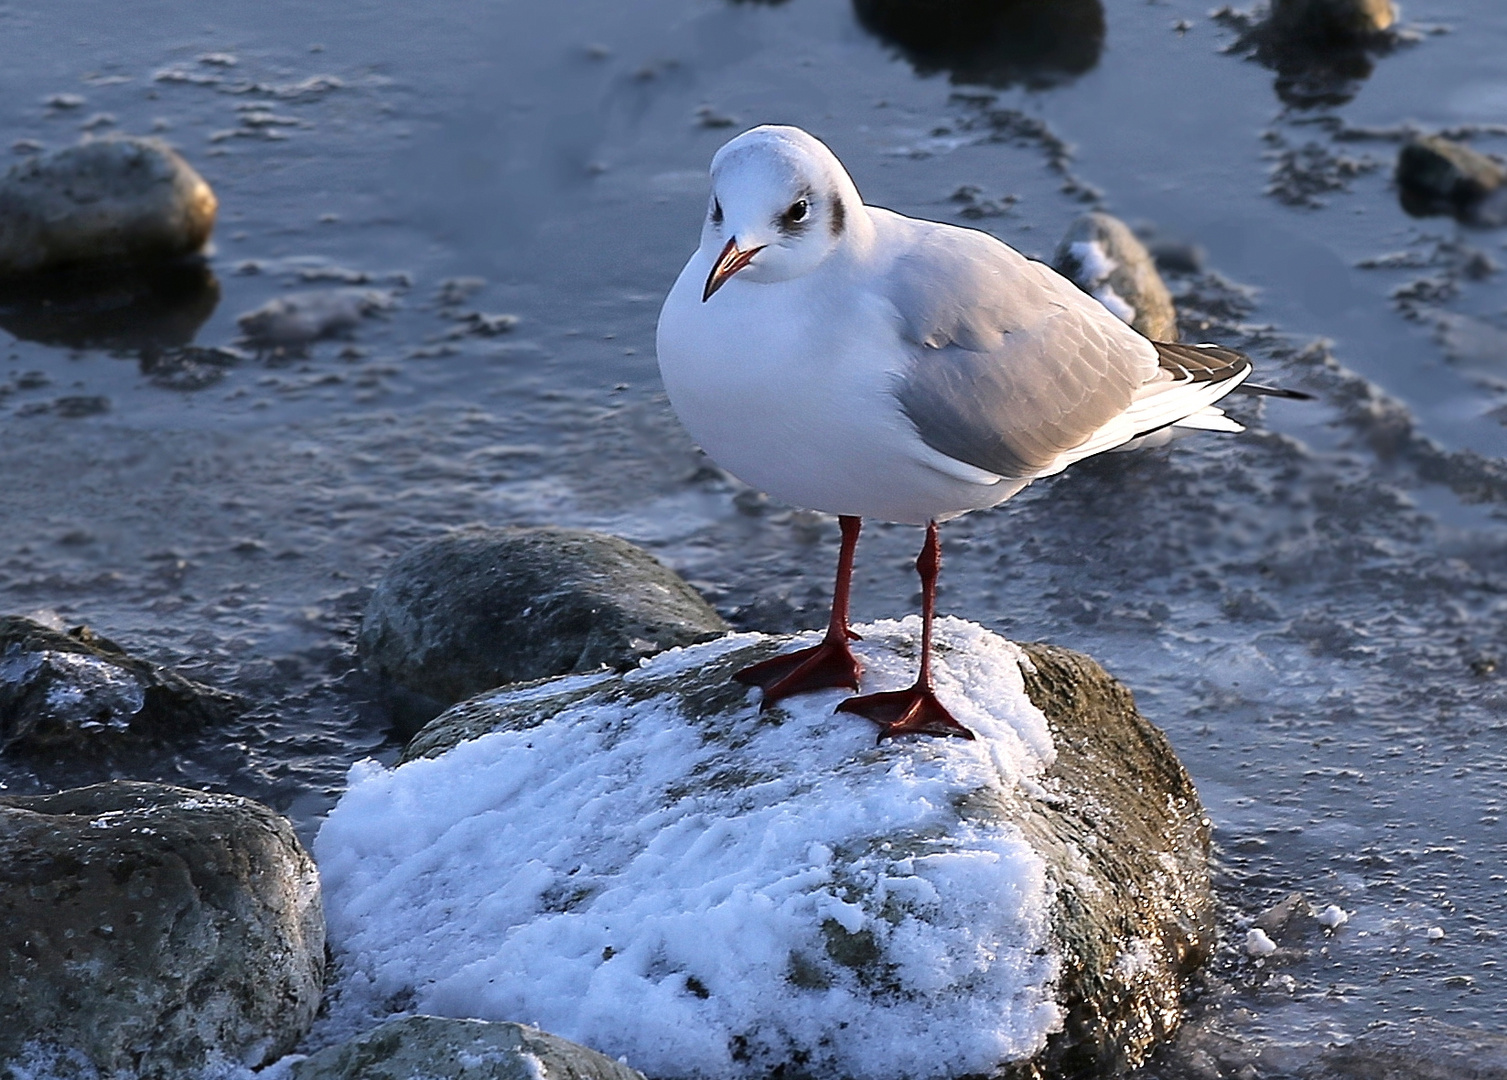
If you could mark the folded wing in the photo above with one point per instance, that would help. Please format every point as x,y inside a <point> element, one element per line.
<point>1013,370</point>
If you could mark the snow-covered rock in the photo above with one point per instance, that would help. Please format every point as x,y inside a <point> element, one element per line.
<point>647,864</point>
<point>439,1048</point>
<point>1104,258</point>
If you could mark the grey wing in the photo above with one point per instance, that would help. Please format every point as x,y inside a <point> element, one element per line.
<point>1010,364</point>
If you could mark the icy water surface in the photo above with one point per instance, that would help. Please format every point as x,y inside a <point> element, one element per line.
<point>1313,612</point>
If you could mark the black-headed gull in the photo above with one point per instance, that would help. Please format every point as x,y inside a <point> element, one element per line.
<point>854,361</point>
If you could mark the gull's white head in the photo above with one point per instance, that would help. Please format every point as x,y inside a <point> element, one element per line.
<point>781,203</point>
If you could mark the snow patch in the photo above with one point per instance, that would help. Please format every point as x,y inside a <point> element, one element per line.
<point>1095,261</point>
<point>1333,917</point>
<point>710,895</point>
<point>1258,944</point>
<point>1118,306</point>
<point>1095,266</point>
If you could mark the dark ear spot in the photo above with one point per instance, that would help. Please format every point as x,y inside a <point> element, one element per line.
<point>839,216</point>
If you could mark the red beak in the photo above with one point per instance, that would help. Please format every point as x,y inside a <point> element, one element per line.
<point>728,263</point>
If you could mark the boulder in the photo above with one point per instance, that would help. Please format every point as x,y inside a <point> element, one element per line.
<point>1331,20</point>
<point>153,931</point>
<point>80,691</point>
<point>110,200</point>
<point>439,1048</point>
<point>1437,176</point>
<point>483,607</point>
<point>1102,257</point>
<point>648,864</point>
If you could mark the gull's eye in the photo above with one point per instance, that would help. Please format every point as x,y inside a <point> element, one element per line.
<point>716,212</point>
<point>797,212</point>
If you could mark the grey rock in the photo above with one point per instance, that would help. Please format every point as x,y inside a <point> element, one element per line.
<point>1288,919</point>
<point>483,607</point>
<point>441,1049</point>
<point>82,691</point>
<point>1121,830</point>
<point>1331,19</point>
<point>116,199</point>
<point>1103,258</point>
<point>1437,176</point>
<point>154,930</point>
<point>299,319</point>
<point>1132,807</point>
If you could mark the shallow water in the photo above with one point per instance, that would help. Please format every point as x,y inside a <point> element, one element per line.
<point>1313,612</point>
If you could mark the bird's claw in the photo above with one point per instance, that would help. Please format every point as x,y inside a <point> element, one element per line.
<point>913,711</point>
<point>825,666</point>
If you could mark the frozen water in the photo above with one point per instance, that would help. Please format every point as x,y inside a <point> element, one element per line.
<point>711,895</point>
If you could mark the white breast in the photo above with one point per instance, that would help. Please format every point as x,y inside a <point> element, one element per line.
<point>788,386</point>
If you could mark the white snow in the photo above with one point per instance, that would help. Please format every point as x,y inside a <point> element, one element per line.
<point>1257,943</point>
<point>1095,261</point>
<point>1118,306</point>
<point>709,895</point>
<point>1095,266</point>
<point>1334,917</point>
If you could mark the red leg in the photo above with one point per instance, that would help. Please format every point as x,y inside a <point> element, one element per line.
<point>828,664</point>
<point>915,711</point>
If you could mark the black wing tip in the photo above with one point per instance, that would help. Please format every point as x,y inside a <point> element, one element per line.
<point>1274,391</point>
<point>1194,360</point>
<point>1202,362</point>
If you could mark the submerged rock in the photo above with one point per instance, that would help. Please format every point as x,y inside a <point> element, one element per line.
<point>1437,176</point>
<point>995,42</point>
<point>483,607</point>
<point>1102,257</point>
<point>438,1048</point>
<point>82,691</point>
<point>116,199</point>
<point>153,931</point>
<point>648,864</point>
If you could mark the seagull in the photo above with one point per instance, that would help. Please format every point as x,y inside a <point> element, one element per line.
<point>854,361</point>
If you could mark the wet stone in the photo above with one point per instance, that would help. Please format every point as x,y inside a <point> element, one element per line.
<point>1104,258</point>
<point>153,931</point>
<point>1331,19</point>
<point>82,692</point>
<point>439,1048</point>
<point>1438,176</point>
<point>484,607</point>
<point>115,199</point>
